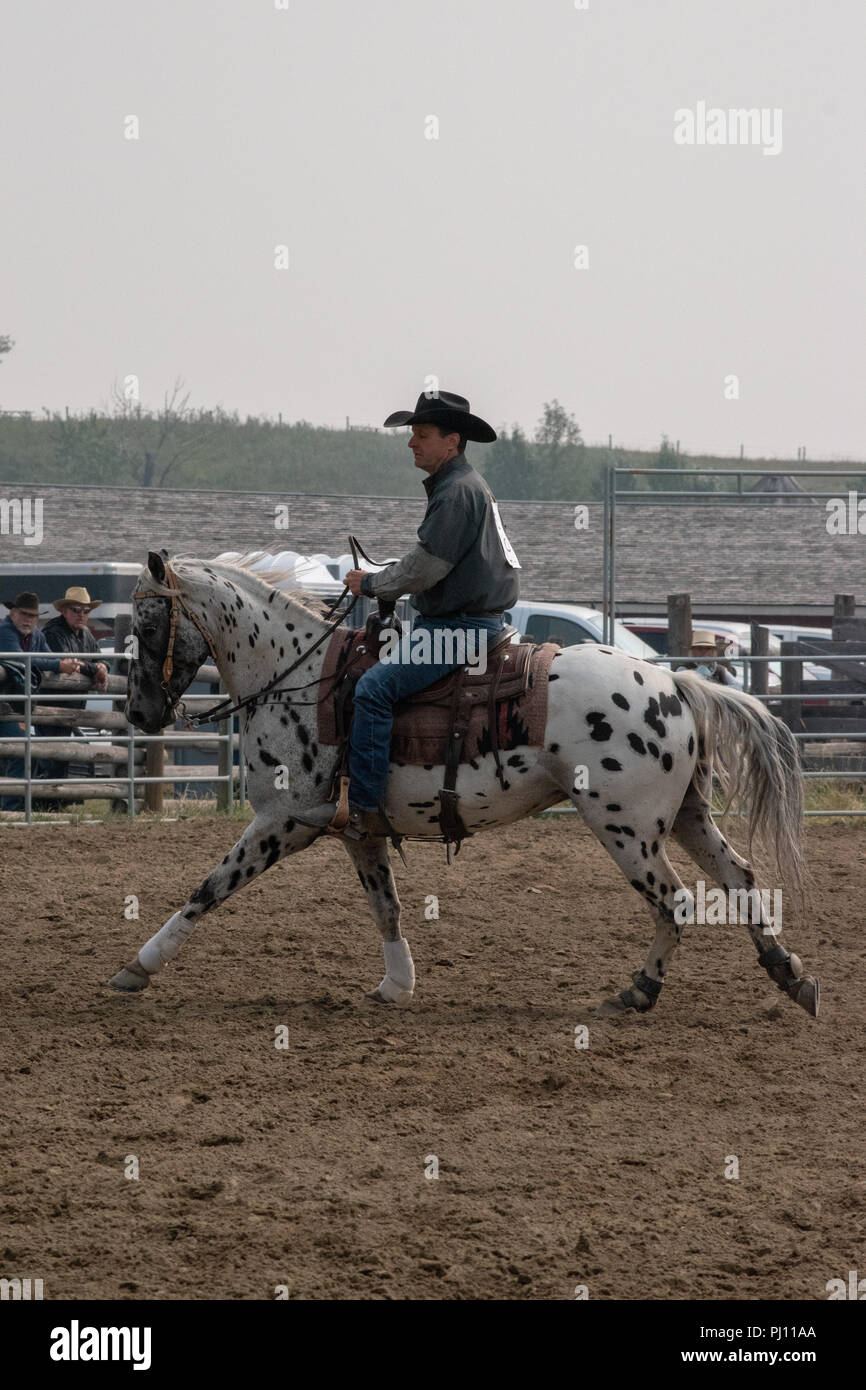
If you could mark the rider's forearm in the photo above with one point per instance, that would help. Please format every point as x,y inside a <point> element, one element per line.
<point>417,571</point>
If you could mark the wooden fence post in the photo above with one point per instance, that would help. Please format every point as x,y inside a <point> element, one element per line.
<point>154,765</point>
<point>844,609</point>
<point>792,681</point>
<point>679,624</point>
<point>759,671</point>
<point>225,765</point>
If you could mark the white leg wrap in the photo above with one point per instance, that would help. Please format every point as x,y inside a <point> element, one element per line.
<point>399,982</point>
<point>164,946</point>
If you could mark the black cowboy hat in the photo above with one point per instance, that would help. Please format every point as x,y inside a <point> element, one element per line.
<point>27,601</point>
<point>445,409</point>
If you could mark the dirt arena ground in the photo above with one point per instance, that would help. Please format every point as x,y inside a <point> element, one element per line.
<point>305,1167</point>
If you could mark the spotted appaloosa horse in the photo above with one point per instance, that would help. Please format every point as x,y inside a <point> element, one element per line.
<point>646,739</point>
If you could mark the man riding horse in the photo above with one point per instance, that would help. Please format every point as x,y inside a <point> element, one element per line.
<point>462,575</point>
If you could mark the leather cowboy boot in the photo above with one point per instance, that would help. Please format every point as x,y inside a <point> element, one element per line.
<point>342,818</point>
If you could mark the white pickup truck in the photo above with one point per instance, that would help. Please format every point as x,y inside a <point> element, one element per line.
<point>570,623</point>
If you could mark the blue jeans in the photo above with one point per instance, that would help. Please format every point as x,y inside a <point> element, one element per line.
<point>392,680</point>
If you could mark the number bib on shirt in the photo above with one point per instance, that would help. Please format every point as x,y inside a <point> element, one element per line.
<point>506,543</point>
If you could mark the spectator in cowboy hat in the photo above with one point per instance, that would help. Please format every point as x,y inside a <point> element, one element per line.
<point>19,633</point>
<point>705,650</point>
<point>69,633</point>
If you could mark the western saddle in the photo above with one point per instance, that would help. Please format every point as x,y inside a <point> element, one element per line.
<point>431,726</point>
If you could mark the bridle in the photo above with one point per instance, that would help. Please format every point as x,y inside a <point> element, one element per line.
<point>177,601</point>
<point>218,713</point>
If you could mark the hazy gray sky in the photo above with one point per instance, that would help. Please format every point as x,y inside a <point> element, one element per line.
<point>306,127</point>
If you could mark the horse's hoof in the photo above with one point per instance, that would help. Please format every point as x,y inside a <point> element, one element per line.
<point>611,1007</point>
<point>389,992</point>
<point>808,994</point>
<point>132,979</point>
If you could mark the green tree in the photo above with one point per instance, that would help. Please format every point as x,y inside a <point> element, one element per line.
<point>560,458</point>
<point>155,444</point>
<point>508,466</point>
<point>86,451</point>
<point>556,428</point>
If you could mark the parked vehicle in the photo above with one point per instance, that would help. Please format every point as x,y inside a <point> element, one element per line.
<point>571,623</point>
<point>108,580</point>
<point>736,636</point>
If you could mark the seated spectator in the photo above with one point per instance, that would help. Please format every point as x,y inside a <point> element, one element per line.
<point>19,633</point>
<point>69,633</point>
<point>705,648</point>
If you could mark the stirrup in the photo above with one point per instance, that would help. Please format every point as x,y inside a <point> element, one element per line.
<point>341,815</point>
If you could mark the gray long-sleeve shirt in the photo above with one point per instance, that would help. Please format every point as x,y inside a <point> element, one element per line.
<point>464,563</point>
<point>417,571</point>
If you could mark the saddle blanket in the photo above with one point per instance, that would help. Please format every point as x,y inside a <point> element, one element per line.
<point>423,723</point>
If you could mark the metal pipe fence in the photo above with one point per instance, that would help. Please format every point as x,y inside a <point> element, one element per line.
<point>614,495</point>
<point>130,738</point>
<point>800,735</point>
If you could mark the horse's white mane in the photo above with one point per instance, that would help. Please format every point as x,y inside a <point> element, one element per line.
<point>188,566</point>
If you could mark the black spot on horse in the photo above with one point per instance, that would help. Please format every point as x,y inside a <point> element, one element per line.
<point>204,894</point>
<point>308,762</point>
<point>621,701</point>
<point>637,743</point>
<point>614,829</point>
<point>303,735</point>
<point>611,765</point>
<point>554,748</point>
<point>638,677</point>
<point>613,806</point>
<point>651,717</point>
<point>650,878</point>
<point>600,730</point>
<point>691,744</point>
<point>653,748</point>
<point>670,704</point>
<point>667,762</point>
<point>268,759</point>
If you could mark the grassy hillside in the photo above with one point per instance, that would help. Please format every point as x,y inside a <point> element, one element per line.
<point>215,450</point>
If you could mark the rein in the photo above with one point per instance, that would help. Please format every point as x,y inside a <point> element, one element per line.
<point>219,712</point>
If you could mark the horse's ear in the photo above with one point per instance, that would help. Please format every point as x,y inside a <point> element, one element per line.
<point>156,566</point>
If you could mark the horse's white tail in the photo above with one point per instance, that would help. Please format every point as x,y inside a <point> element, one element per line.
<point>755,758</point>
